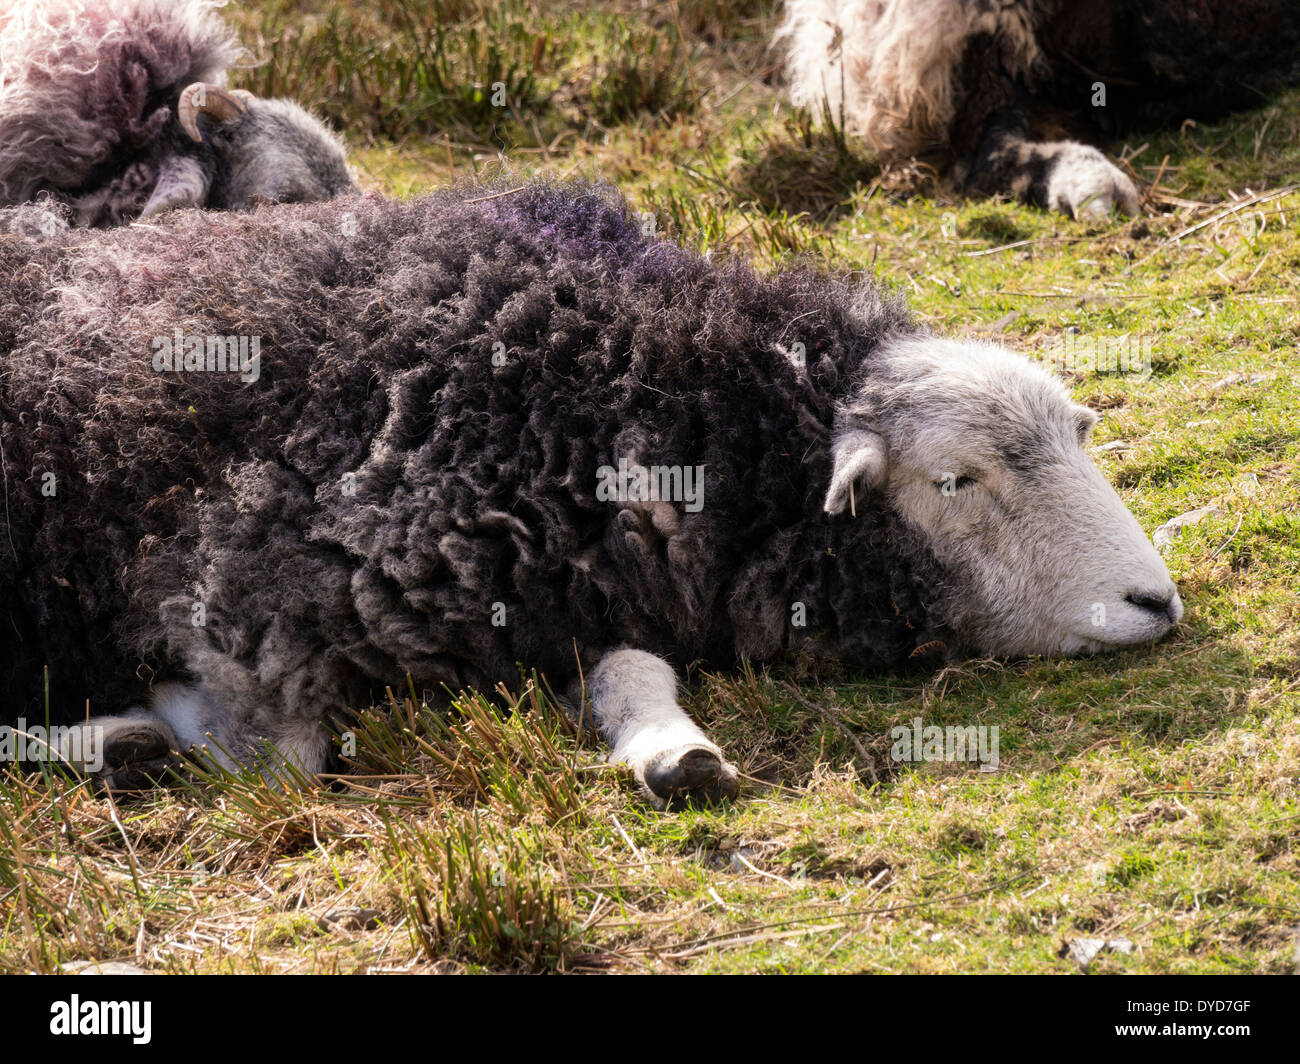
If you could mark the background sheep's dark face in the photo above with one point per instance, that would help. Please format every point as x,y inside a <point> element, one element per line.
<point>986,454</point>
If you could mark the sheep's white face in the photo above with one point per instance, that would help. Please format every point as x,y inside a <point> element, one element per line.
<point>986,453</point>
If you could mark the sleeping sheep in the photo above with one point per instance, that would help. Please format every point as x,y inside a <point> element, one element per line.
<point>117,109</point>
<point>1003,91</point>
<point>264,464</point>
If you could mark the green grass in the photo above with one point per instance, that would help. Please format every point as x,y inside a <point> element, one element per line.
<point>1149,794</point>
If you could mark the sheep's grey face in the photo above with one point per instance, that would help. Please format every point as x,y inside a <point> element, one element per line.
<point>279,153</point>
<point>270,151</point>
<point>987,455</point>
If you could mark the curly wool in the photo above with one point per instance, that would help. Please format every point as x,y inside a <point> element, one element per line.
<point>387,487</point>
<point>85,87</point>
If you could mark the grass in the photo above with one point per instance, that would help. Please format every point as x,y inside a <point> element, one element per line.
<point>1149,794</point>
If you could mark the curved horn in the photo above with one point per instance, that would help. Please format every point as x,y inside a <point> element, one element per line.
<point>212,100</point>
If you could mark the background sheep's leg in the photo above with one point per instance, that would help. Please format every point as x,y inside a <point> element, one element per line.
<point>1063,175</point>
<point>634,702</point>
<point>182,182</point>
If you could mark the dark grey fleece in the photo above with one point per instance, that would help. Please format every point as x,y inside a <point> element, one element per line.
<point>440,383</point>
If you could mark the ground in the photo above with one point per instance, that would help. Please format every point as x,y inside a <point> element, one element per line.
<point>1147,796</point>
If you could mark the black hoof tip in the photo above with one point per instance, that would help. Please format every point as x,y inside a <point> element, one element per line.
<point>698,775</point>
<point>135,760</point>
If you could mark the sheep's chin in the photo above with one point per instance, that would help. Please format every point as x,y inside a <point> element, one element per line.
<point>1075,645</point>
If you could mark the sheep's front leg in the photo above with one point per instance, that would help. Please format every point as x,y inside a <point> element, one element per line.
<point>634,701</point>
<point>1061,175</point>
<point>132,752</point>
<point>135,750</point>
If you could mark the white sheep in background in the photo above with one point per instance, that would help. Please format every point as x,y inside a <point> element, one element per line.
<point>1001,92</point>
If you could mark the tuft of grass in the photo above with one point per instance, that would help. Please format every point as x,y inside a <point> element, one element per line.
<point>520,756</point>
<point>499,74</point>
<point>1130,867</point>
<point>808,165</point>
<point>398,68</point>
<point>471,890</point>
<point>718,22</point>
<point>638,71</point>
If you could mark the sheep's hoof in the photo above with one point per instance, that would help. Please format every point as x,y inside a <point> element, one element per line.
<point>695,774</point>
<point>1087,185</point>
<point>136,758</point>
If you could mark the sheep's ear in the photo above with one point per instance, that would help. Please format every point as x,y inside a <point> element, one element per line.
<point>858,461</point>
<point>1084,421</point>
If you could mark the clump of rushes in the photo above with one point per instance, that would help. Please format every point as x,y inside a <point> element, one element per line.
<point>696,220</point>
<point>520,757</point>
<point>707,221</point>
<point>719,20</point>
<point>473,890</point>
<point>490,73</point>
<point>639,71</point>
<point>808,165</point>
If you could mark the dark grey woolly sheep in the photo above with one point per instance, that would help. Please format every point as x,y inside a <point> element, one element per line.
<point>993,89</point>
<point>484,428</point>
<point>117,109</point>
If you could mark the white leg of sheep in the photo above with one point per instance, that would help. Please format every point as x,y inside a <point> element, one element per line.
<point>133,751</point>
<point>634,702</point>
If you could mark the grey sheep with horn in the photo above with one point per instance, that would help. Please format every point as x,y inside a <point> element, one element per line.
<point>118,110</point>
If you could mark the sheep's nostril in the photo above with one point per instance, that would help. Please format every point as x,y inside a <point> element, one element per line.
<point>1154,602</point>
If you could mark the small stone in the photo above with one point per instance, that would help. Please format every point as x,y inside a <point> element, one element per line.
<point>1082,950</point>
<point>1164,536</point>
<point>351,919</point>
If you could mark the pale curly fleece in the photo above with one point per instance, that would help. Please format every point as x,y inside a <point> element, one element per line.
<point>891,66</point>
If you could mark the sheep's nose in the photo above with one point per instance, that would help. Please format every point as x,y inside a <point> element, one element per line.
<point>1158,602</point>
